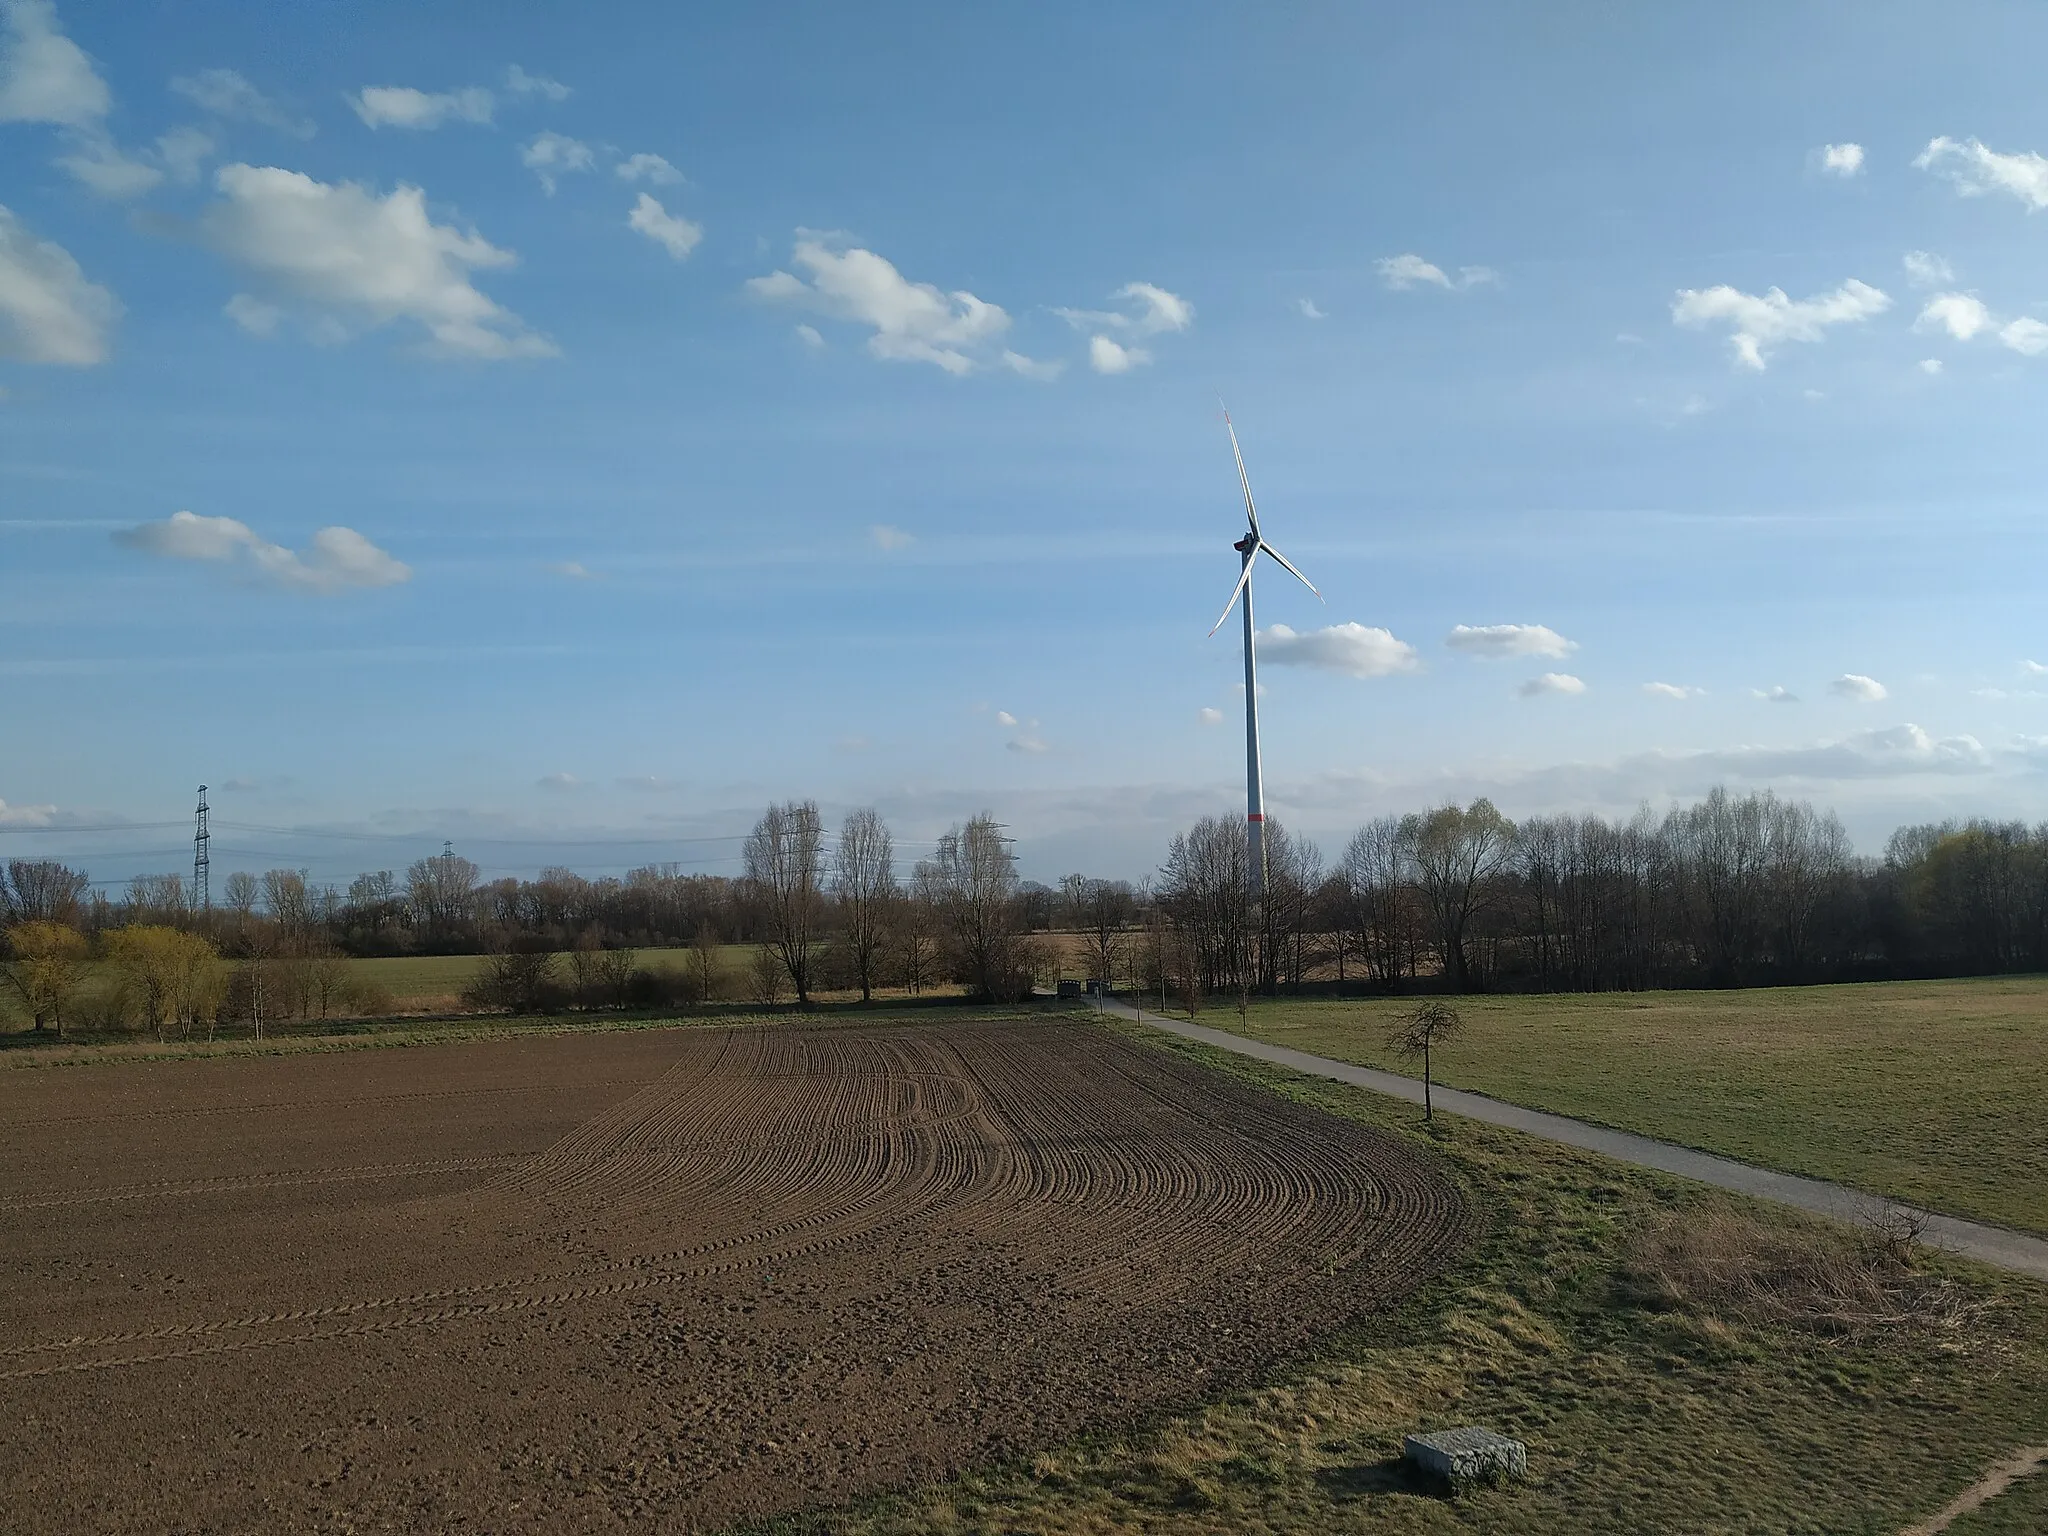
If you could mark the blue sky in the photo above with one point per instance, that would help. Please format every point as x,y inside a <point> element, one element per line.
<point>594,424</point>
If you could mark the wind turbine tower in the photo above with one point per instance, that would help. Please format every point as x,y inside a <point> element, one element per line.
<point>1248,549</point>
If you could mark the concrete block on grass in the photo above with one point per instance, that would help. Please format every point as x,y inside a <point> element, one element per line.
<point>1459,1456</point>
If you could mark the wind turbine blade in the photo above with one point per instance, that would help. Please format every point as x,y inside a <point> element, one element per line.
<point>1269,549</point>
<point>1243,577</point>
<point>1243,479</point>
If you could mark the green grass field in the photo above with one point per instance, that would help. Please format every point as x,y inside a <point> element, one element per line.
<point>1639,1417</point>
<point>1933,1092</point>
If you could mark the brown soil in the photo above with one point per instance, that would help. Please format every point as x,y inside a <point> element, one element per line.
<point>655,1279</point>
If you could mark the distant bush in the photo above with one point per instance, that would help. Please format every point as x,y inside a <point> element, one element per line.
<point>517,980</point>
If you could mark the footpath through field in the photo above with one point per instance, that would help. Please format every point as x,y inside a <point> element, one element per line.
<point>2003,1249</point>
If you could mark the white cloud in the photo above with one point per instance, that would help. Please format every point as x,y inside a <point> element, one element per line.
<point>1927,269</point>
<point>1495,641</point>
<point>357,259</point>
<point>808,335</point>
<point>1760,321</point>
<point>1679,691</point>
<point>1210,716</point>
<point>1154,311</point>
<point>1777,693</point>
<point>911,322</point>
<point>49,313</point>
<point>26,815</point>
<point>400,106</point>
<point>1551,682</point>
<point>1159,311</point>
<point>648,168</point>
<point>2034,669</point>
<point>575,570</point>
<point>1407,270</point>
<point>1962,315</point>
<point>2026,335</point>
<point>1106,356</point>
<point>1977,171</point>
<point>226,93</point>
<point>44,76</point>
<point>1893,750</point>
<point>47,78</point>
<point>1353,649</point>
<point>1841,159</point>
<point>253,315</point>
<point>555,154</point>
<point>883,536</point>
<point>1027,738</point>
<point>1308,308</point>
<point>101,164</point>
<point>337,558</point>
<point>1929,365</point>
<point>672,232</point>
<point>558,781</point>
<point>1149,311</point>
<point>520,83</point>
<point>183,151</point>
<point>1864,690</point>
<point>1031,367</point>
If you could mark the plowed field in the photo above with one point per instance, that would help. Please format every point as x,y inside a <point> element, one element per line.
<point>657,1279</point>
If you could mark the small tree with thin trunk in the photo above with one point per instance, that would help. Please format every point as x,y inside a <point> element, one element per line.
<point>1428,1024</point>
<point>704,965</point>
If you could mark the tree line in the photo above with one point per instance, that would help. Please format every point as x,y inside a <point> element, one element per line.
<point>1734,890</point>
<point>822,909</point>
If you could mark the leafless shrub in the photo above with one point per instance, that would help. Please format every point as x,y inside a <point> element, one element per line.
<point>1728,1265</point>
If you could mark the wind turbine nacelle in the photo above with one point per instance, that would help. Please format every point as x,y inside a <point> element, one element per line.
<point>1245,544</point>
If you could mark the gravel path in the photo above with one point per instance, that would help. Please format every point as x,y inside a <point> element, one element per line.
<point>1997,1246</point>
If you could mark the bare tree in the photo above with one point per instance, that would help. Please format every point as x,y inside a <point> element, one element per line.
<point>1103,910</point>
<point>1202,894</point>
<point>327,976</point>
<point>442,892</point>
<point>1457,854</point>
<point>285,899</point>
<point>974,878</point>
<point>42,890</point>
<point>864,877</point>
<point>766,973</point>
<point>704,964</point>
<point>612,973</point>
<point>914,933</point>
<point>784,857</point>
<point>1429,1024</point>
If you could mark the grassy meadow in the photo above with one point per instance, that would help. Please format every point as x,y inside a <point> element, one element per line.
<point>1708,1408</point>
<point>1933,1092</point>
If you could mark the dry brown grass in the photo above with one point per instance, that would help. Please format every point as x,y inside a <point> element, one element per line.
<point>1727,1265</point>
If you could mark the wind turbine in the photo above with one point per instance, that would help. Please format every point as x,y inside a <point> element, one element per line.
<point>1249,548</point>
